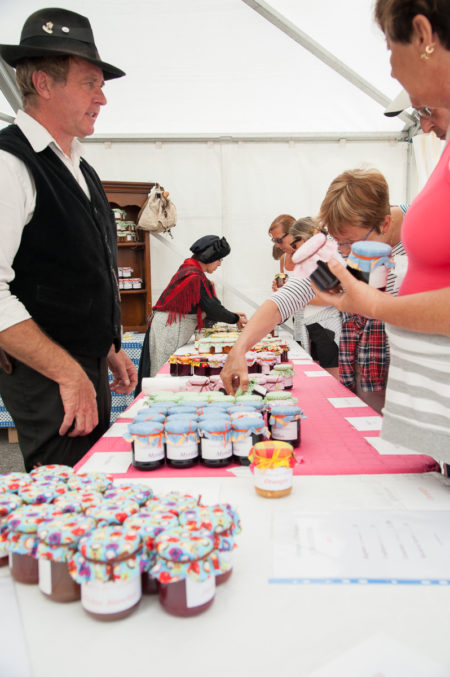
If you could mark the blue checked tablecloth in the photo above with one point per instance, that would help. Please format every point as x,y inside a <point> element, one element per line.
<point>132,344</point>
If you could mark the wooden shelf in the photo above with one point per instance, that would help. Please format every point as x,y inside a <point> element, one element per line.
<point>136,303</point>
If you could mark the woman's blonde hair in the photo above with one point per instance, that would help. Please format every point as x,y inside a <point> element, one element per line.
<point>304,228</point>
<point>357,197</point>
<point>55,66</point>
<point>284,220</point>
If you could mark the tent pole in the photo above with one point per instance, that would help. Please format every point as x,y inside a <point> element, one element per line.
<point>303,39</point>
<point>9,87</point>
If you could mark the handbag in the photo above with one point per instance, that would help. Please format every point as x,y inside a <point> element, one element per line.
<point>158,214</point>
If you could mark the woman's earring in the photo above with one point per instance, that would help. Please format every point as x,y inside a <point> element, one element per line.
<point>429,49</point>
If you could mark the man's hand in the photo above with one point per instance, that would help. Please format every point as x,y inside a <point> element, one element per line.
<point>123,371</point>
<point>235,372</point>
<point>80,405</point>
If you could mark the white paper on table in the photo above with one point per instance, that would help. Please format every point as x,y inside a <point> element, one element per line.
<point>382,656</point>
<point>317,373</point>
<point>13,649</point>
<point>301,360</point>
<point>365,422</point>
<point>108,461</point>
<point>117,429</point>
<point>240,471</point>
<point>361,547</point>
<point>344,402</point>
<point>386,448</point>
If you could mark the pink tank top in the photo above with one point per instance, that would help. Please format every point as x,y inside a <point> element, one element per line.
<point>426,233</point>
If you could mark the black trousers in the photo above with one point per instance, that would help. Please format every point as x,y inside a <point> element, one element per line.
<point>36,408</point>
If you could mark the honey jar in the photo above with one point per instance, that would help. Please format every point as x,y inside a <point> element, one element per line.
<point>272,465</point>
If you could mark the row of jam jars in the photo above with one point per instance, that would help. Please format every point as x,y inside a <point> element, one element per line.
<point>9,502</point>
<point>247,431</point>
<point>186,562</point>
<point>287,371</point>
<point>147,444</point>
<point>223,522</point>
<point>272,464</point>
<point>58,539</point>
<point>216,449</point>
<point>108,566</point>
<point>200,365</point>
<point>149,523</point>
<point>284,424</point>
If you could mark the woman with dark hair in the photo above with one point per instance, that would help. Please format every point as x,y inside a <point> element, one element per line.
<point>417,410</point>
<point>185,302</point>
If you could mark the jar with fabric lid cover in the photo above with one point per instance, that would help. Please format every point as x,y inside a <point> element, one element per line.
<point>108,566</point>
<point>22,541</point>
<point>182,441</point>
<point>90,481</point>
<point>247,431</point>
<point>13,481</point>
<point>112,512</point>
<point>222,521</point>
<point>8,503</point>
<point>149,523</point>
<point>58,539</point>
<point>174,502</point>
<point>147,444</point>
<point>138,492</point>
<point>287,371</point>
<point>47,472</point>
<point>216,363</point>
<point>150,414</point>
<point>272,464</point>
<point>284,424</point>
<point>215,441</point>
<point>186,562</point>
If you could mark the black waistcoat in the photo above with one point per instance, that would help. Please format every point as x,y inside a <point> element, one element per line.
<point>66,265</point>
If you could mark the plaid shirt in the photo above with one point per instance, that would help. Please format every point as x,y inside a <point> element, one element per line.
<point>364,341</point>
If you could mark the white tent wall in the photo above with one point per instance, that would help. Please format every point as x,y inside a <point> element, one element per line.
<point>236,189</point>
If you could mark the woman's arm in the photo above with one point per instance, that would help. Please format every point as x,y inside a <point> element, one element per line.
<point>235,371</point>
<point>425,312</point>
<point>215,310</point>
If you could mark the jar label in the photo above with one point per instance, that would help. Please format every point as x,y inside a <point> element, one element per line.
<point>145,453</point>
<point>213,450</point>
<point>182,452</point>
<point>243,447</point>
<point>199,592</point>
<point>378,277</point>
<point>45,575</point>
<point>288,381</point>
<point>285,432</point>
<point>273,479</point>
<point>226,560</point>
<point>110,597</point>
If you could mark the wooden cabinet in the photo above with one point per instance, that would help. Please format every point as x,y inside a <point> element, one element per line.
<point>136,303</point>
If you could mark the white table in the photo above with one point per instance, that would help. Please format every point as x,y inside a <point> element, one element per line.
<point>257,628</point>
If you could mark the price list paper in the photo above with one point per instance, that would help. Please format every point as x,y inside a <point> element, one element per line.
<point>362,547</point>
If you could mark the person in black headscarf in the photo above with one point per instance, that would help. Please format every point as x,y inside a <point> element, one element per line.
<point>186,301</point>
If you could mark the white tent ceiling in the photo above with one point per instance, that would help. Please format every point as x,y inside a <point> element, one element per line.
<point>219,67</point>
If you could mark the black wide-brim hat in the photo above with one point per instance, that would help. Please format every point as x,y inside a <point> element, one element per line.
<point>58,32</point>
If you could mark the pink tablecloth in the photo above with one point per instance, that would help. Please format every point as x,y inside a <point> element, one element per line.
<point>331,445</point>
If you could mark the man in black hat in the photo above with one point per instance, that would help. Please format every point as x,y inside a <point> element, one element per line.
<point>59,299</point>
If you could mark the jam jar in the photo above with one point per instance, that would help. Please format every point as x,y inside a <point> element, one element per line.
<point>140,493</point>
<point>173,365</point>
<point>108,565</point>
<point>185,567</point>
<point>266,360</point>
<point>147,444</point>
<point>200,365</point>
<point>284,424</point>
<point>39,492</point>
<point>216,363</point>
<point>284,357</point>
<point>112,512</point>
<point>287,371</point>
<point>215,441</point>
<point>90,481</point>
<point>272,465</point>
<point>149,523</point>
<point>246,432</point>
<point>182,441</point>
<point>53,471</point>
<point>252,362</point>
<point>223,522</point>
<point>8,503</point>
<point>184,365</point>
<point>22,541</point>
<point>58,540</point>
<point>149,414</point>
